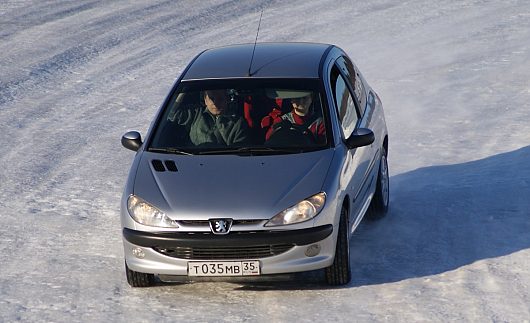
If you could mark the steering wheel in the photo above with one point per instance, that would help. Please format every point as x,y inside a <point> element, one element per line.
<point>287,134</point>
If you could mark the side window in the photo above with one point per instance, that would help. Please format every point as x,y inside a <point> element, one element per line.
<point>344,102</point>
<point>356,83</point>
<point>359,89</point>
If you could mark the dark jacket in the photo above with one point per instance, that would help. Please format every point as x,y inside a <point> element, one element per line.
<point>205,128</point>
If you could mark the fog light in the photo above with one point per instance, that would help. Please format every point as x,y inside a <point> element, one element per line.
<point>138,253</point>
<point>312,250</point>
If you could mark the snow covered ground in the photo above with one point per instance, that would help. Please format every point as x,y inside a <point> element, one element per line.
<point>454,80</point>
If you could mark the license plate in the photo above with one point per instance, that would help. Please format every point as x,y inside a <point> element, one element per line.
<point>224,268</point>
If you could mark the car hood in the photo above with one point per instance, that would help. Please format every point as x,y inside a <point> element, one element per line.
<point>231,186</point>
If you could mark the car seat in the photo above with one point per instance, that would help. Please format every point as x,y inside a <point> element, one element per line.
<point>255,108</point>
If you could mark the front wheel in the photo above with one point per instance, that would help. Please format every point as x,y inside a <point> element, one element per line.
<point>136,279</point>
<point>379,205</point>
<point>339,273</point>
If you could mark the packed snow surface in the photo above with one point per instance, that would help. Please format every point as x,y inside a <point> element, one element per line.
<point>454,80</point>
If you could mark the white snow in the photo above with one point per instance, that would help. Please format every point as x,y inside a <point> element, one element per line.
<point>454,80</point>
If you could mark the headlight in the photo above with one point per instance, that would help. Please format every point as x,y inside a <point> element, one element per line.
<point>303,211</point>
<point>144,213</point>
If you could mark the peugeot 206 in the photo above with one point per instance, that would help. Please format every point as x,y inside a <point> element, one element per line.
<point>263,159</point>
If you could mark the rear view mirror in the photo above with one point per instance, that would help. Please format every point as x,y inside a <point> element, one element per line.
<point>132,140</point>
<point>360,137</point>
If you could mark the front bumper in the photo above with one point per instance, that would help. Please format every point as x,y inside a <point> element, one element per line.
<point>168,253</point>
<point>185,239</point>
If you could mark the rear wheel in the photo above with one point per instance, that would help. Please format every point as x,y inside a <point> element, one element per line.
<point>379,205</point>
<point>136,279</point>
<point>339,273</point>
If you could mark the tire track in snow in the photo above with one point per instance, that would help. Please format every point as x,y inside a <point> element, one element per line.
<point>106,39</point>
<point>60,66</point>
<point>56,129</point>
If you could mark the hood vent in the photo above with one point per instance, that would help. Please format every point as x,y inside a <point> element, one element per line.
<point>171,166</point>
<point>158,165</point>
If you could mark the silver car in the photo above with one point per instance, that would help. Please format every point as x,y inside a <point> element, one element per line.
<point>263,159</point>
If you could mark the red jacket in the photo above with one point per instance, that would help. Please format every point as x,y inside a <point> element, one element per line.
<point>316,127</point>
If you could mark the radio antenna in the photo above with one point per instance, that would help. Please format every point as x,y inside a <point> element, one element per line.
<point>255,41</point>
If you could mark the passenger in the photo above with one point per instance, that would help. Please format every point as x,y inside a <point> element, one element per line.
<point>301,115</point>
<point>210,124</point>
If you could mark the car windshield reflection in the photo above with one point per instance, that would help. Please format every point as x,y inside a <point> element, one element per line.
<point>245,118</point>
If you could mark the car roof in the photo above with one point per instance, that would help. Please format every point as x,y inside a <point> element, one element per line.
<point>271,60</point>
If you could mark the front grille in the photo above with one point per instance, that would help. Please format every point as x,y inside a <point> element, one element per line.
<point>212,253</point>
<point>207,222</point>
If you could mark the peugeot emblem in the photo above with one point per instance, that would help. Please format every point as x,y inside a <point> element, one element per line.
<point>220,226</point>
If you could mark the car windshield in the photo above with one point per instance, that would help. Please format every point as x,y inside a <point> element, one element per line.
<point>242,117</point>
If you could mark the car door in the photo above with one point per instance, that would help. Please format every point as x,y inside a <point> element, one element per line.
<point>359,160</point>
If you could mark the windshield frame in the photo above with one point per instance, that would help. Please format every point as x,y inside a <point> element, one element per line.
<point>313,84</point>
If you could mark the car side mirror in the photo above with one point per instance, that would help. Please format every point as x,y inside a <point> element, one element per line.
<point>132,140</point>
<point>360,137</point>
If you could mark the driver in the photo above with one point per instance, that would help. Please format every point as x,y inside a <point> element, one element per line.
<point>211,124</point>
<point>302,114</point>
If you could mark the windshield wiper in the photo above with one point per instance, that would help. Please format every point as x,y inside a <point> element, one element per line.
<point>169,150</point>
<point>252,151</point>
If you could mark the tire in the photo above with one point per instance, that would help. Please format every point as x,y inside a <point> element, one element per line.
<point>136,279</point>
<point>379,205</point>
<point>339,273</point>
